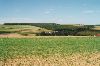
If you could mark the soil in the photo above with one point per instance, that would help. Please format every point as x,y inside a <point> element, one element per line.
<point>73,60</point>
<point>14,35</point>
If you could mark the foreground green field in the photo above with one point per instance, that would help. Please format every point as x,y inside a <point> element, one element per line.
<point>49,47</point>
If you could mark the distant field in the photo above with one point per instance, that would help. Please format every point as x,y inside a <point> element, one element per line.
<point>17,27</point>
<point>22,30</point>
<point>47,30</point>
<point>50,51</point>
<point>97,28</point>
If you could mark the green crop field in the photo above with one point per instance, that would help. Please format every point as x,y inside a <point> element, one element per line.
<point>47,47</point>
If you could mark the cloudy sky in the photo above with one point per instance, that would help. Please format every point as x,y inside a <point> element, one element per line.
<point>57,11</point>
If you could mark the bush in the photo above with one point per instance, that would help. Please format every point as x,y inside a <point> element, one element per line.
<point>86,33</point>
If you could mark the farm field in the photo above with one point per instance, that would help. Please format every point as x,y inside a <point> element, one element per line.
<point>47,30</point>
<point>97,28</point>
<point>19,30</point>
<point>50,51</point>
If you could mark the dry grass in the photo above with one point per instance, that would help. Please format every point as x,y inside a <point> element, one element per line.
<point>97,28</point>
<point>73,60</point>
<point>13,35</point>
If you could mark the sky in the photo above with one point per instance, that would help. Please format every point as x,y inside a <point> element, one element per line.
<point>50,11</point>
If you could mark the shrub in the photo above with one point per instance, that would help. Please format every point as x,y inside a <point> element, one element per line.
<point>86,33</point>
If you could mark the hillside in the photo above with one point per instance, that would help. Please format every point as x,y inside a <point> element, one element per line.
<point>22,30</point>
<point>49,29</point>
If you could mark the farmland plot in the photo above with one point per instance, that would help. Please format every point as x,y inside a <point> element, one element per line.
<point>50,51</point>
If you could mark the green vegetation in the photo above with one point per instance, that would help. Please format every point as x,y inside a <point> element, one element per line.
<point>47,46</point>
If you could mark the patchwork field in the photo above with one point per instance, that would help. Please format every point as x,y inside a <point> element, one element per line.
<point>20,30</point>
<point>50,51</point>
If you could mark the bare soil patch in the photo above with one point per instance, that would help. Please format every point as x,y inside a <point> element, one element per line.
<point>73,60</point>
<point>14,35</point>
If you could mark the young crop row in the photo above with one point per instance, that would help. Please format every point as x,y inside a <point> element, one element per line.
<point>44,46</point>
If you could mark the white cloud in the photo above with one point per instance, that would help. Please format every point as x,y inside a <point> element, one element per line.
<point>52,9</point>
<point>89,11</point>
<point>49,11</point>
<point>14,19</point>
